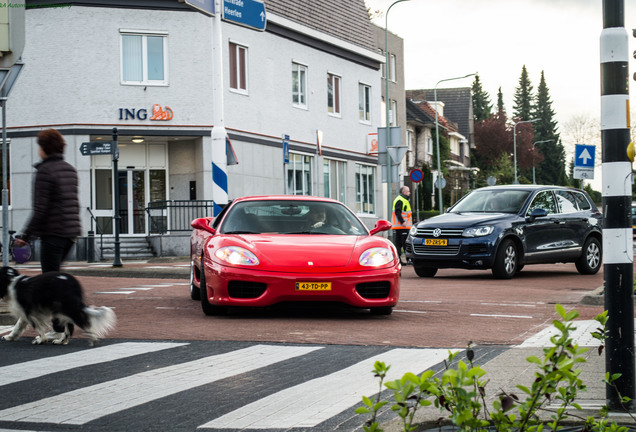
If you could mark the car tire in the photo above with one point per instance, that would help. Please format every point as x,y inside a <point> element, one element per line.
<point>195,292</point>
<point>386,310</point>
<point>208,308</point>
<point>425,272</point>
<point>589,262</point>
<point>506,260</point>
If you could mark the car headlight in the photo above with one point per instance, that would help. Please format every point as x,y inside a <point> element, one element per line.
<point>376,257</point>
<point>478,231</point>
<point>236,255</point>
<point>413,231</point>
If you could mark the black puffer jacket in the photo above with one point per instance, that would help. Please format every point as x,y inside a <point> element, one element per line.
<point>55,200</point>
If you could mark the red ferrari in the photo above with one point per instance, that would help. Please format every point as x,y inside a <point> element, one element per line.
<point>260,251</point>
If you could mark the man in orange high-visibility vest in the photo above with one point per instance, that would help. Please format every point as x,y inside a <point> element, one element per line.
<point>402,219</point>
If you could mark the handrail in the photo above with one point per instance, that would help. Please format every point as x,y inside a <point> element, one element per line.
<point>176,215</point>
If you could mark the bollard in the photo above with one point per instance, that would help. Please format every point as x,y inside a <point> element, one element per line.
<point>90,247</point>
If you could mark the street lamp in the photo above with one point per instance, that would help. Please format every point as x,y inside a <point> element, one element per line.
<point>514,140</point>
<point>387,106</point>
<point>439,165</point>
<point>534,180</point>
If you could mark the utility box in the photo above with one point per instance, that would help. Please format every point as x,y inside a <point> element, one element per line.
<point>11,32</point>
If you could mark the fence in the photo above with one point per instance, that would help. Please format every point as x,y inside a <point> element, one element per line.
<point>176,215</point>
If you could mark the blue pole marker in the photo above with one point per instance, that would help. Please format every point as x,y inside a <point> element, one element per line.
<point>219,178</point>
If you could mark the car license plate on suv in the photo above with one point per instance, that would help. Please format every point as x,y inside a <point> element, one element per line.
<point>435,242</point>
<point>313,286</point>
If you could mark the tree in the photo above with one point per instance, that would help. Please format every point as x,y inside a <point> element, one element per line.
<point>481,101</point>
<point>552,169</point>
<point>522,108</point>
<point>492,140</point>
<point>500,104</point>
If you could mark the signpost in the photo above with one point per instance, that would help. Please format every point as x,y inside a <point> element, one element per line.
<point>97,148</point>
<point>249,13</point>
<point>205,6</point>
<point>584,161</point>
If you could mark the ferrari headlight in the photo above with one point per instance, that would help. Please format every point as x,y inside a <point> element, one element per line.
<point>376,257</point>
<point>478,231</point>
<point>236,255</point>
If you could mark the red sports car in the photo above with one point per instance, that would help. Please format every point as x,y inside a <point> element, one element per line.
<point>264,250</point>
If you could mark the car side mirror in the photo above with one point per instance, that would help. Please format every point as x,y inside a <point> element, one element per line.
<point>203,224</point>
<point>381,225</point>
<point>537,213</point>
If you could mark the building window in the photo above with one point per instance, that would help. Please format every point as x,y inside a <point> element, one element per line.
<point>238,67</point>
<point>299,174</point>
<point>392,68</point>
<point>429,145</point>
<point>410,155</point>
<point>365,190</point>
<point>334,175</point>
<point>364,102</point>
<point>333,94</point>
<point>144,59</point>
<point>383,66</point>
<point>393,112</point>
<point>299,85</point>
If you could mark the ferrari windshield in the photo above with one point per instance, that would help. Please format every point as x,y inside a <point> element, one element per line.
<point>492,201</point>
<point>291,217</point>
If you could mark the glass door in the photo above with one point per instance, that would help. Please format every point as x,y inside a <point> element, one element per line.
<point>132,193</point>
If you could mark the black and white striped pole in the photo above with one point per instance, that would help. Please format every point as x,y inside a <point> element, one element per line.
<point>618,253</point>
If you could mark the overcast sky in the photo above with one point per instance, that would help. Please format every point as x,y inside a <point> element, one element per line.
<point>495,38</point>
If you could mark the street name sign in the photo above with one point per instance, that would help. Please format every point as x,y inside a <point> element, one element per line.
<point>97,148</point>
<point>248,13</point>
<point>205,6</point>
<point>584,161</point>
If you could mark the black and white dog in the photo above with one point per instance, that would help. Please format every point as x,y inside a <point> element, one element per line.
<point>36,300</point>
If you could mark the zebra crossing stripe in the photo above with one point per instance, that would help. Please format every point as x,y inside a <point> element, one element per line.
<point>315,401</point>
<point>37,368</point>
<point>90,403</point>
<point>581,335</point>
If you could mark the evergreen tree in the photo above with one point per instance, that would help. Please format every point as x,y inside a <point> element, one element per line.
<point>552,170</point>
<point>522,109</point>
<point>501,109</point>
<point>481,101</point>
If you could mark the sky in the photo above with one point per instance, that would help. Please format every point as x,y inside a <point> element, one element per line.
<point>496,38</point>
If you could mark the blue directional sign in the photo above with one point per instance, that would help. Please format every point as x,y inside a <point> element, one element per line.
<point>205,6</point>
<point>249,13</point>
<point>584,155</point>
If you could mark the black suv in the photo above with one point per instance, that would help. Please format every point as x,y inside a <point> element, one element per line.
<point>504,228</point>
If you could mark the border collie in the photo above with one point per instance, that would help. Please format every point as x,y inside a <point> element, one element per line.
<point>36,300</point>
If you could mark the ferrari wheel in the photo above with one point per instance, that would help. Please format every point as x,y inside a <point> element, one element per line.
<point>386,310</point>
<point>207,307</point>
<point>195,292</point>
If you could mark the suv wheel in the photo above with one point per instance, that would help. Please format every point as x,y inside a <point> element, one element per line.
<point>428,272</point>
<point>590,260</point>
<point>506,261</point>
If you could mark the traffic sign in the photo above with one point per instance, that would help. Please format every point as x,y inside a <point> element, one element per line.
<point>205,6</point>
<point>584,155</point>
<point>249,13</point>
<point>416,175</point>
<point>98,148</point>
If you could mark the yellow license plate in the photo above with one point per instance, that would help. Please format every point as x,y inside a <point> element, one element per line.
<point>313,286</point>
<point>436,242</point>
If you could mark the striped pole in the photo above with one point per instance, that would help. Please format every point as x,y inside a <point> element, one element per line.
<point>219,134</point>
<point>618,253</point>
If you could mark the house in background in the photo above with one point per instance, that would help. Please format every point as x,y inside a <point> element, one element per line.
<point>455,113</point>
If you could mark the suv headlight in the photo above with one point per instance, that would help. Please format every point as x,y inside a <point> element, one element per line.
<point>413,231</point>
<point>478,231</point>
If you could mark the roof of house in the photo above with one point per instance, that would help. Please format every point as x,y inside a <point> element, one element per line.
<point>458,105</point>
<point>347,20</point>
<point>424,113</point>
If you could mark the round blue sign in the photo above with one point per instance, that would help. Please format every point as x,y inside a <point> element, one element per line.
<point>416,175</point>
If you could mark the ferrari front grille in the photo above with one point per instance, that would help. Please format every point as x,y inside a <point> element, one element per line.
<point>374,290</point>
<point>245,289</point>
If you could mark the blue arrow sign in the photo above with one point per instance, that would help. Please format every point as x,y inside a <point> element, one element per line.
<point>249,13</point>
<point>584,155</point>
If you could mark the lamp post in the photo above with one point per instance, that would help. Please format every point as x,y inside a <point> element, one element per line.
<point>534,180</point>
<point>514,140</point>
<point>439,165</point>
<point>387,104</point>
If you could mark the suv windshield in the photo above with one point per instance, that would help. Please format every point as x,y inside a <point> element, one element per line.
<point>492,201</point>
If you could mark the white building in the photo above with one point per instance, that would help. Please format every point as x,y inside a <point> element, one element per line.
<point>145,67</point>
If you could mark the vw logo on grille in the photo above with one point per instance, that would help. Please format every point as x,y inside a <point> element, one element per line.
<point>437,232</point>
